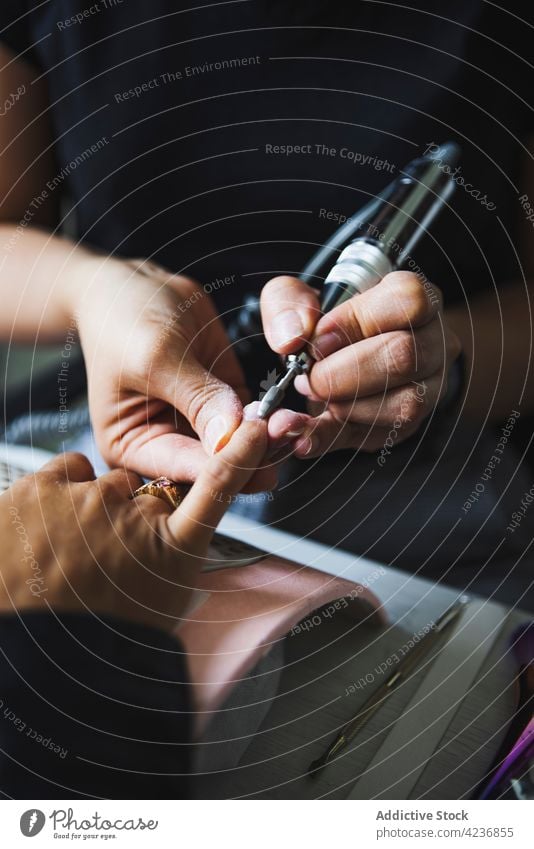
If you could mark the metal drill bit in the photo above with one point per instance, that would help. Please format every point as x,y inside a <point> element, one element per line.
<point>296,364</point>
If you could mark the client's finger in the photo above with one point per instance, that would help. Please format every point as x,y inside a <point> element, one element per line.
<point>121,482</point>
<point>70,466</point>
<point>224,475</point>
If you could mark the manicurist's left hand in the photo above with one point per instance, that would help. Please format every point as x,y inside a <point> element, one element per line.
<point>382,359</point>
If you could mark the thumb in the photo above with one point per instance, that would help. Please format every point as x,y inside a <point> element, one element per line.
<point>212,408</point>
<point>223,476</point>
<point>289,310</point>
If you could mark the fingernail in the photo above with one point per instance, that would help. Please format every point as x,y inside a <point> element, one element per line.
<point>216,433</point>
<point>286,327</point>
<point>250,412</point>
<point>302,384</point>
<point>292,434</point>
<point>325,345</point>
<point>306,446</point>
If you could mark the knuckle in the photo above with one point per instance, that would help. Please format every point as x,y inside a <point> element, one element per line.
<point>194,407</point>
<point>354,322</point>
<point>78,458</point>
<point>402,354</point>
<point>418,298</point>
<point>401,281</point>
<point>420,308</point>
<point>120,477</point>
<point>202,400</point>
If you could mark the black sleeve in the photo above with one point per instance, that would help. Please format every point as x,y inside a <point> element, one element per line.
<point>92,708</point>
<point>14,25</point>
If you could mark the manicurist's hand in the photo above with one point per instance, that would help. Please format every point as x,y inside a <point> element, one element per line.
<point>166,390</point>
<point>382,359</point>
<point>74,543</point>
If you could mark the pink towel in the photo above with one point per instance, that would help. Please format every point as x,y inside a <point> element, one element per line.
<point>248,609</point>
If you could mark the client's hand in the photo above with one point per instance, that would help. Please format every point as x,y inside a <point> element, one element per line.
<point>74,543</point>
<point>382,359</point>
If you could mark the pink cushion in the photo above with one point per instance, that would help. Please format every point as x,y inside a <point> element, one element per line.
<point>248,609</point>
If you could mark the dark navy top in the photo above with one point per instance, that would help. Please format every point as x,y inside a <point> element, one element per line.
<point>227,139</point>
<point>92,708</point>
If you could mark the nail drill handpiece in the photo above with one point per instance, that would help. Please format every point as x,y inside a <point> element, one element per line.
<point>387,230</point>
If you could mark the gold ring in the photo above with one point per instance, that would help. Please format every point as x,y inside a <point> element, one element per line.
<point>163,488</point>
